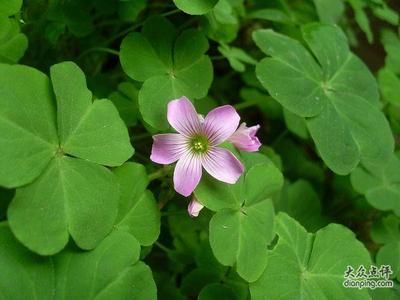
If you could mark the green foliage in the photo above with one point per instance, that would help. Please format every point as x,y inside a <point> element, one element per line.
<point>86,214</point>
<point>170,66</point>
<point>339,90</point>
<point>313,263</point>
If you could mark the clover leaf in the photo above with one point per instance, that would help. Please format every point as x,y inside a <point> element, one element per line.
<point>169,65</point>
<point>313,264</point>
<point>56,158</point>
<point>195,7</point>
<point>380,185</point>
<point>337,95</point>
<point>138,213</point>
<point>13,43</point>
<point>242,228</point>
<point>111,271</point>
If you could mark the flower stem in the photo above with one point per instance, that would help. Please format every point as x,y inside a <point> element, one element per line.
<point>99,49</point>
<point>159,173</point>
<point>162,247</point>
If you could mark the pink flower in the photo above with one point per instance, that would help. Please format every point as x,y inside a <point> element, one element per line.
<point>194,207</point>
<point>245,138</point>
<point>195,145</point>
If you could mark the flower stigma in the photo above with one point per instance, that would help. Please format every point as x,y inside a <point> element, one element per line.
<point>199,144</point>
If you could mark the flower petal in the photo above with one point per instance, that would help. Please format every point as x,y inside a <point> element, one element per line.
<point>168,148</point>
<point>245,138</point>
<point>221,123</point>
<point>222,165</point>
<point>194,207</point>
<point>187,174</point>
<point>183,116</point>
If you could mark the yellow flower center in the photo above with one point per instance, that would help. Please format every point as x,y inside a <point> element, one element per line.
<point>199,144</point>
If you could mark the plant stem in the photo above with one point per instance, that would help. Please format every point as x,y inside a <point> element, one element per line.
<point>99,49</point>
<point>162,247</point>
<point>159,173</point>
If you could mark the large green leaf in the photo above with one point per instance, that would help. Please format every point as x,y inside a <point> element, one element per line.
<point>195,7</point>
<point>310,266</point>
<point>329,11</point>
<point>171,66</point>
<point>28,136</point>
<point>91,131</point>
<point>138,213</point>
<point>338,95</point>
<point>71,196</point>
<point>111,271</point>
<point>61,195</point>
<point>380,185</point>
<point>242,228</point>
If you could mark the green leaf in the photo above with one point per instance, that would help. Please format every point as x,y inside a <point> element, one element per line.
<point>389,254</point>
<point>13,44</point>
<point>391,43</point>
<point>362,18</point>
<point>129,10</point>
<point>126,101</point>
<point>195,7</point>
<point>170,67</point>
<point>111,271</point>
<point>301,202</point>
<point>9,7</point>
<point>222,24</point>
<point>236,57</point>
<point>270,14</point>
<point>389,85</point>
<point>339,90</point>
<point>24,274</point>
<point>216,291</point>
<point>310,266</point>
<point>295,123</point>
<point>138,211</point>
<point>71,196</point>
<point>386,230</point>
<point>244,215</point>
<point>329,11</point>
<point>380,184</point>
<point>28,136</point>
<point>242,236</point>
<point>91,131</point>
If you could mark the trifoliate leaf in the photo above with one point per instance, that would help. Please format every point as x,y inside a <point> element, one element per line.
<point>62,195</point>
<point>339,90</point>
<point>111,271</point>
<point>305,265</point>
<point>170,67</point>
<point>138,213</point>
<point>244,215</point>
<point>380,184</point>
<point>195,7</point>
<point>222,24</point>
<point>91,131</point>
<point>236,57</point>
